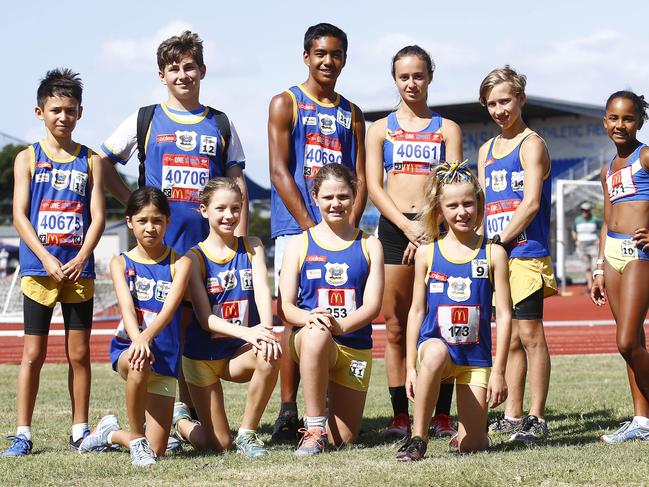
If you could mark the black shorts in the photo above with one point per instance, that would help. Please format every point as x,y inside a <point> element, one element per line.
<point>37,316</point>
<point>530,308</point>
<point>393,240</point>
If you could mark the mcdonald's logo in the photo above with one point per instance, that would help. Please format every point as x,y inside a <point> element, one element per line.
<point>617,179</point>
<point>336,297</point>
<point>460,315</point>
<point>176,194</point>
<point>230,310</point>
<point>53,239</point>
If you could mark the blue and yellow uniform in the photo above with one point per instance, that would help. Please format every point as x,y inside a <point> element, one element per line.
<point>459,298</point>
<point>60,214</point>
<point>415,153</point>
<point>529,253</point>
<point>630,183</point>
<point>322,133</point>
<point>334,278</point>
<point>231,294</point>
<point>149,282</point>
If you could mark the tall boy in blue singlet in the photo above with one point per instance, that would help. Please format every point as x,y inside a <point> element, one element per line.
<point>309,125</point>
<point>58,211</point>
<point>184,150</point>
<point>184,146</point>
<point>514,169</point>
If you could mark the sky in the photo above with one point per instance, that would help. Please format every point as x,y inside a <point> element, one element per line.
<point>575,51</point>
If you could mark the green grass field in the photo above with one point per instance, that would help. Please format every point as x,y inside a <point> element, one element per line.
<point>588,396</point>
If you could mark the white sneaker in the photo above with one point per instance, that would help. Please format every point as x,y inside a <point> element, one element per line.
<point>141,453</point>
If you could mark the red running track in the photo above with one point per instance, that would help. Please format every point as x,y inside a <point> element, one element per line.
<point>574,327</point>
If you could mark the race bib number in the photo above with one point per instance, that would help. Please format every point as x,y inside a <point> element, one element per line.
<point>459,325</point>
<point>184,177</point>
<point>479,269</point>
<point>499,214</point>
<point>357,368</point>
<point>60,222</point>
<point>339,302</point>
<point>628,249</point>
<point>415,153</point>
<point>320,150</point>
<point>235,311</point>
<point>621,184</point>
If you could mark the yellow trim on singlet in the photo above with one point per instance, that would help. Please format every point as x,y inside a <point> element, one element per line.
<point>334,249</point>
<point>456,261</point>
<point>73,156</point>
<point>523,135</point>
<point>150,261</point>
<point>325,105</point>
<point>294,100</point>
<point>199,118</point>
<point>216,259</point>
<point>547,173</point>
<point>32,160</point>
<point>172,263</point>
<point>89,162</point>
<point>201,261</point>
<point>246,244</point>
<point>488,254</point>
<point>364,247</point>
<point>305,248</point>
<point>431,256</point>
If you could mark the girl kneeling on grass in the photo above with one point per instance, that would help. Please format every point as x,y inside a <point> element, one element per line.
<point>150,281</point>
<point>231,336</point>
<point>449,323</point>
<point>331,286</point>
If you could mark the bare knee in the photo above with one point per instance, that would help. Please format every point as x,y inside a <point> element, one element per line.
<point>267,367</point>
<point>314,340</point>
<point>79,356</point>
<point>532,336</point>
<point>628,346</point>
<point>34,358</point>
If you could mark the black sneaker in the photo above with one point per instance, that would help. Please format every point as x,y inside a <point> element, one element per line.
<point>286,427</point>
<point>532,431</point>
<point>74,445</point>
<point>412,450</point>
<point>502,425</point>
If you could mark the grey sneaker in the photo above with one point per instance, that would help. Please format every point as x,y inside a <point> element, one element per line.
<point>504,425</point>
<point>313,442</point>
<point>174,444</point>
<point>250,445</point>
<point>629,431</point>
<point>533,430</point>
<point>141,453</point>
<point>98,439</point>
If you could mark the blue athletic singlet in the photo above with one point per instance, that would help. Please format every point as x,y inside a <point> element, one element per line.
<point>180,158</point>
<point>413,152</point>
<point>322,134</point>
<point>230,291</point>
<point>150,282</point>
<point>459,305</point>
<point>504,192</point>
<point>335,279</point>
<point>59,209</point>
<point>631,183</point>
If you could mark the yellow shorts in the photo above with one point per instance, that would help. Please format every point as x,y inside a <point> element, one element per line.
<point>203,373</point>
<point>46,291</point>
<point>527,275</point>
<point>162,385</point>
<point>465,374</point>
<point>352,368</point>
<point>620,249</point>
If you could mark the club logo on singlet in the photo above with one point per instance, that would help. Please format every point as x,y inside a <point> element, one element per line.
<point>42,177</point>
<point>162,290</point>
<point>246,279</point>
<point>144,288</point>
<point>185,140</point>
<point>228,279</point>
<point>60,179</point>
<point>336,274</point>
<point>499,180</point>
<point>327,123</point>
<point>310,121</point>
<point>517,180</point>
<point>459,288</point>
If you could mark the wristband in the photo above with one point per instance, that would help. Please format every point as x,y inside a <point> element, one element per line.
<point>598,272</point>
<point>599,262</point>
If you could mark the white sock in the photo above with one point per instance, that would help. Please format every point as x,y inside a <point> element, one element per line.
<point>244,431</point>
<point>513,420</point>
<point>26,431</point>
<point>78,430</point>
<point>109,438</point>
<point>642,422</point>
<point>315,422</point>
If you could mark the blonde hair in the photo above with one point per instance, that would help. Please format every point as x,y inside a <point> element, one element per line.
<point>215,184</point>
<point>447,173</point>
<point>505,74</point>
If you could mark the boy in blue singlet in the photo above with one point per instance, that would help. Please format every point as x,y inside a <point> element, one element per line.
<point>185,148</point>
<point>310,125</point>
<point>58,211</point>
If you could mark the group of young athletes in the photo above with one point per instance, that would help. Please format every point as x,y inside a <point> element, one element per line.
<point>454,249</point>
